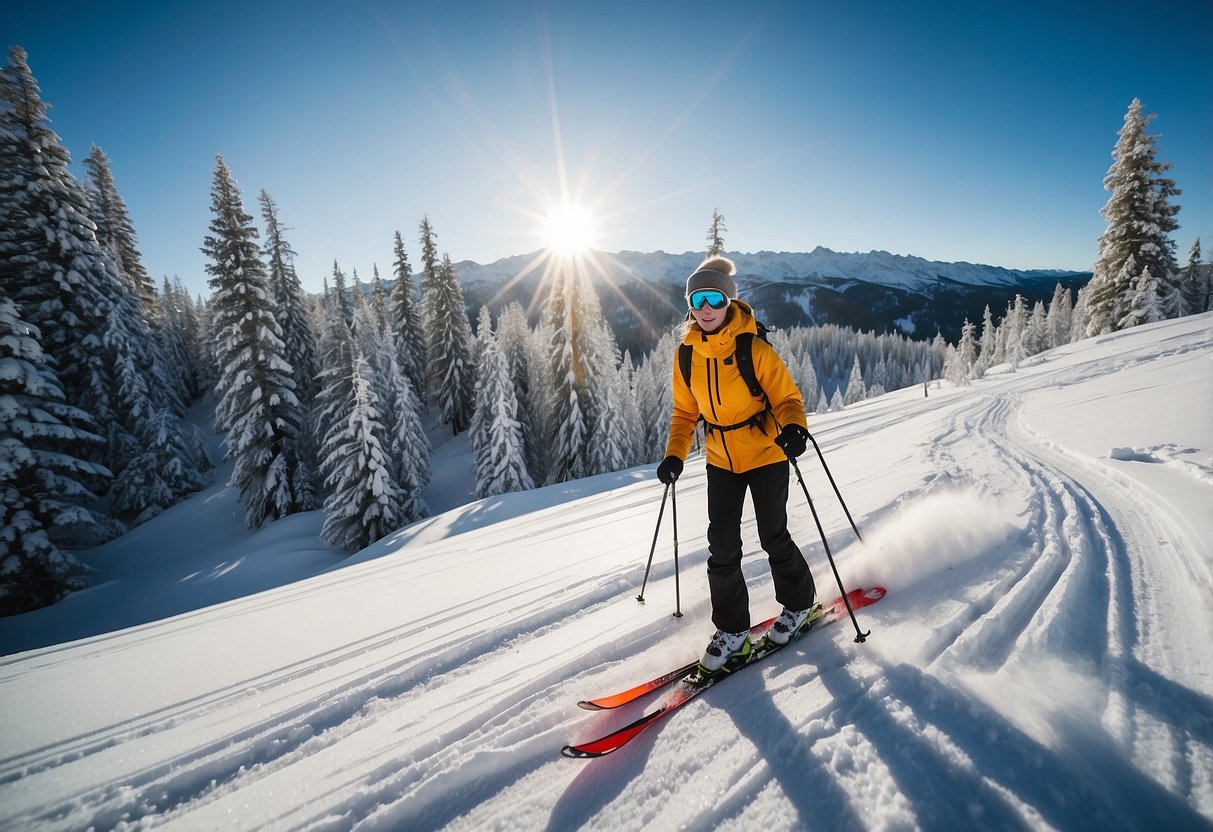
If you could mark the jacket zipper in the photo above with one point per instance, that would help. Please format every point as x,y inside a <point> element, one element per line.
<point>709,364</point>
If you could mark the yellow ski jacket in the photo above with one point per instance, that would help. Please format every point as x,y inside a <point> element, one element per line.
<point>721,396</point>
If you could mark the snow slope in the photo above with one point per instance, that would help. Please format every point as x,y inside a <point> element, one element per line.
<point>1041,660</point>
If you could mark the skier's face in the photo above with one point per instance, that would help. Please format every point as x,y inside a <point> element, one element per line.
<point>710,319</point>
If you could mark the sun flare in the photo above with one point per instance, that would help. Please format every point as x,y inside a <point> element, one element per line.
<point>569,230</point>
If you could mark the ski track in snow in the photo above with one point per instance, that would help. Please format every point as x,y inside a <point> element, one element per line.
<point>1060,679</point>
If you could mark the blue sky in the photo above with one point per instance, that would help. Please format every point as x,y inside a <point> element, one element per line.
<point>953,131</point>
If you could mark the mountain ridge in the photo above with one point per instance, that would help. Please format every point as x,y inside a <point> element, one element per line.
<point>641,292</point>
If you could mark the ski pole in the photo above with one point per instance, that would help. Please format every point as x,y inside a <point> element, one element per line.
<point>834,484</point>
<point>653,549</point>
<point>674,517</point>
<point>860,636</point>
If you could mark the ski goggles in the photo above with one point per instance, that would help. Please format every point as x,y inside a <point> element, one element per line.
<point>708,297</point>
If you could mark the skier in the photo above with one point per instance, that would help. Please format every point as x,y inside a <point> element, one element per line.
<point>749,440</point>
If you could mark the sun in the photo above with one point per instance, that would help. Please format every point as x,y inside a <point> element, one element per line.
<point>569,230</point>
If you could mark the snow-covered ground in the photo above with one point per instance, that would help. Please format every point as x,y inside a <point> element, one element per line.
<point>1042,659</point>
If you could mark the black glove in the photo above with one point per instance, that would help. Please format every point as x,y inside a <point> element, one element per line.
<point>670,468</point>
<point>793,439</point>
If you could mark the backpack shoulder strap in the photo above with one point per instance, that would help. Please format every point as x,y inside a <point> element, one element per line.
<point>684,363</point>
<point>745,363</point>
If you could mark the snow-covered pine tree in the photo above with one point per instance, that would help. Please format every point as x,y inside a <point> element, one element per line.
<point>116,233</point>
<point>378,299</point>
<point>633,429</point>
<point>500,454</point>
<point>43,490</point>
<point>408,448</point>
<point>335,394</point>
<point>1036,332</point>
<point>1080,318</point>
<point>610,446</point>
<point>357,293</point>
<point>340,297</point>
<point>1060,319</point>
<point>1145,306</point>
<point>1140,220</point>
<point>257,403</point>
<point>406,320</point>
<point>91,323</point>
<point>966,349</point>
<point>595,346</point>
<point>953,367</point>
<point>1195,283</point>
<point>290,309</point>
<point>449,348</point>
<point>654,397</point>
<point>178,363</point>
<point>514,337</point>
<point>989,338</point>
<point>836,402</point>
<point>716,234</point>
<point>857,391</point>
<point>567,407</point>
<point>363,503</point>
<point>478,429</point>
<point>429,265</point>
<point>823,404</point>
<point>1013,327</point>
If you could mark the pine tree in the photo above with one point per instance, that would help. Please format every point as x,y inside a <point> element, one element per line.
<point>1195,283</point>
<point>340,298</point>
<point>1060,319</point>
<point>1145,306</point>
<point>43,491</point>
<point>378,299</point>
<point>1140,219</point>
<point>609,448</point>
<point>407,446</point>
<point>92,325</point>
<point>567,416</point>
<point>715,232</point>
<point>500,454</point>
<point>625,387</point>
<point>116,233</point>
<point>290,310</point>
<point>953,367</point>
<point>1013,326</point>
<point>406,319</point>
<point>449,348</point>
<point>364,503</point>
<point>182,317</point>
<point>478,430</point>
<point>335,396</point>
<point>514,337</point>
<point>257,403</point>
<point>1036,332</point>
<point>966,349</point>
<point>857,391</point>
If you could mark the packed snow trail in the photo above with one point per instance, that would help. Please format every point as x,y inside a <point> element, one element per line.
<point>1041,660</point>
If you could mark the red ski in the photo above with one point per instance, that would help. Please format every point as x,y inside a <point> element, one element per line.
<point>631,694</point>
<point>692,684</point>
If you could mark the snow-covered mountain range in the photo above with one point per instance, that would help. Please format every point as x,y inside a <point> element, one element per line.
<point>757,268</point>
<point>877,290</point>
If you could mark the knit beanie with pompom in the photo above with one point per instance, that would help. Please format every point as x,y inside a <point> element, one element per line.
<point>714,273</point>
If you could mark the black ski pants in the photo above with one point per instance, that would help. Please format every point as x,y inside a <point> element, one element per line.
<point>768,488</point>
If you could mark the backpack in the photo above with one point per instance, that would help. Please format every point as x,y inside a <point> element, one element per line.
<point>743,354</point>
